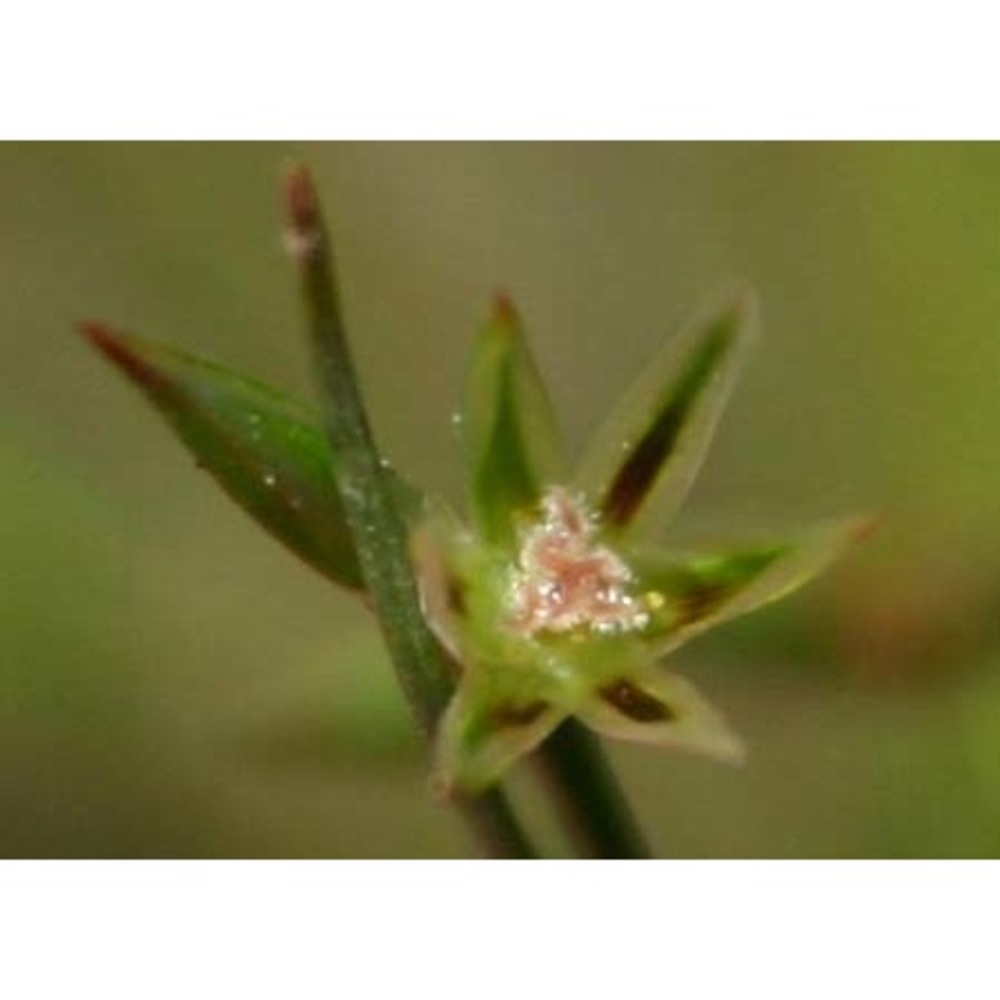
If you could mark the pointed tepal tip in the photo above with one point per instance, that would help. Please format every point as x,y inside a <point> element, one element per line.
<point>301,211</point>
<point>505,313</point>
<point>121,352</point>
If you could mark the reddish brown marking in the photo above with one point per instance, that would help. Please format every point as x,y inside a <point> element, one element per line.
<point>504,310</point>
<point>455,595</point>
<point>515,716</point>
<point>642,467</point>
<point>636,704</point>
<point>701,601</point>
<point>115,349</point>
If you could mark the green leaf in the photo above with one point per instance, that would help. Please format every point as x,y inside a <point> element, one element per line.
<point>645,458</point>
<point>480,737</point>
<point>266,450</point>
<point>510,431</point>
<point>696,593</point>
<point>662,709</point>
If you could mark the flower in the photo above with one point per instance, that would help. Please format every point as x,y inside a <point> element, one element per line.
<point>556,600</point>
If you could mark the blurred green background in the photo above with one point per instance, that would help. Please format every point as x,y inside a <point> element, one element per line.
<point>172,683</point>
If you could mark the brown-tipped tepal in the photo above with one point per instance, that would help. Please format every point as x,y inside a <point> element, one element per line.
<point>504,310</point>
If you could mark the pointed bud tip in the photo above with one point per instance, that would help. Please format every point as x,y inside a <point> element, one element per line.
<point>304,225</point>
<point>116,349</point>
<point>301,202</point>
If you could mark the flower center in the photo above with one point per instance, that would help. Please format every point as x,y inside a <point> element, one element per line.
<point>564,580</point>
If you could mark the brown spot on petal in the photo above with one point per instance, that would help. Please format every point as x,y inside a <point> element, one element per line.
<point>635,703</point>
<point>639,472</point>
<point>636,476</point>
<point>700,601</point>
<point>515,716</point>
<point>455,595</point>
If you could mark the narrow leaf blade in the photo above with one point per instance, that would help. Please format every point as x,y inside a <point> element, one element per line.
<point>265,449</point>
<point>510,431</point>
<point>645,458</point>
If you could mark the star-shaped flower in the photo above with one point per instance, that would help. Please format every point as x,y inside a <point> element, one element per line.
<point>555,600</point>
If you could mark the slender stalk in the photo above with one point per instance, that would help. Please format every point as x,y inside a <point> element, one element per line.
<point>590,799</point>
<point>372,510</point>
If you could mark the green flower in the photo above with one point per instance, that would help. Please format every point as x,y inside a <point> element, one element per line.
<point>555,600</point>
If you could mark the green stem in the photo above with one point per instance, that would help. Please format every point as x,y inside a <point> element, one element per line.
<point>372,509</point>
<point>591,801</point>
